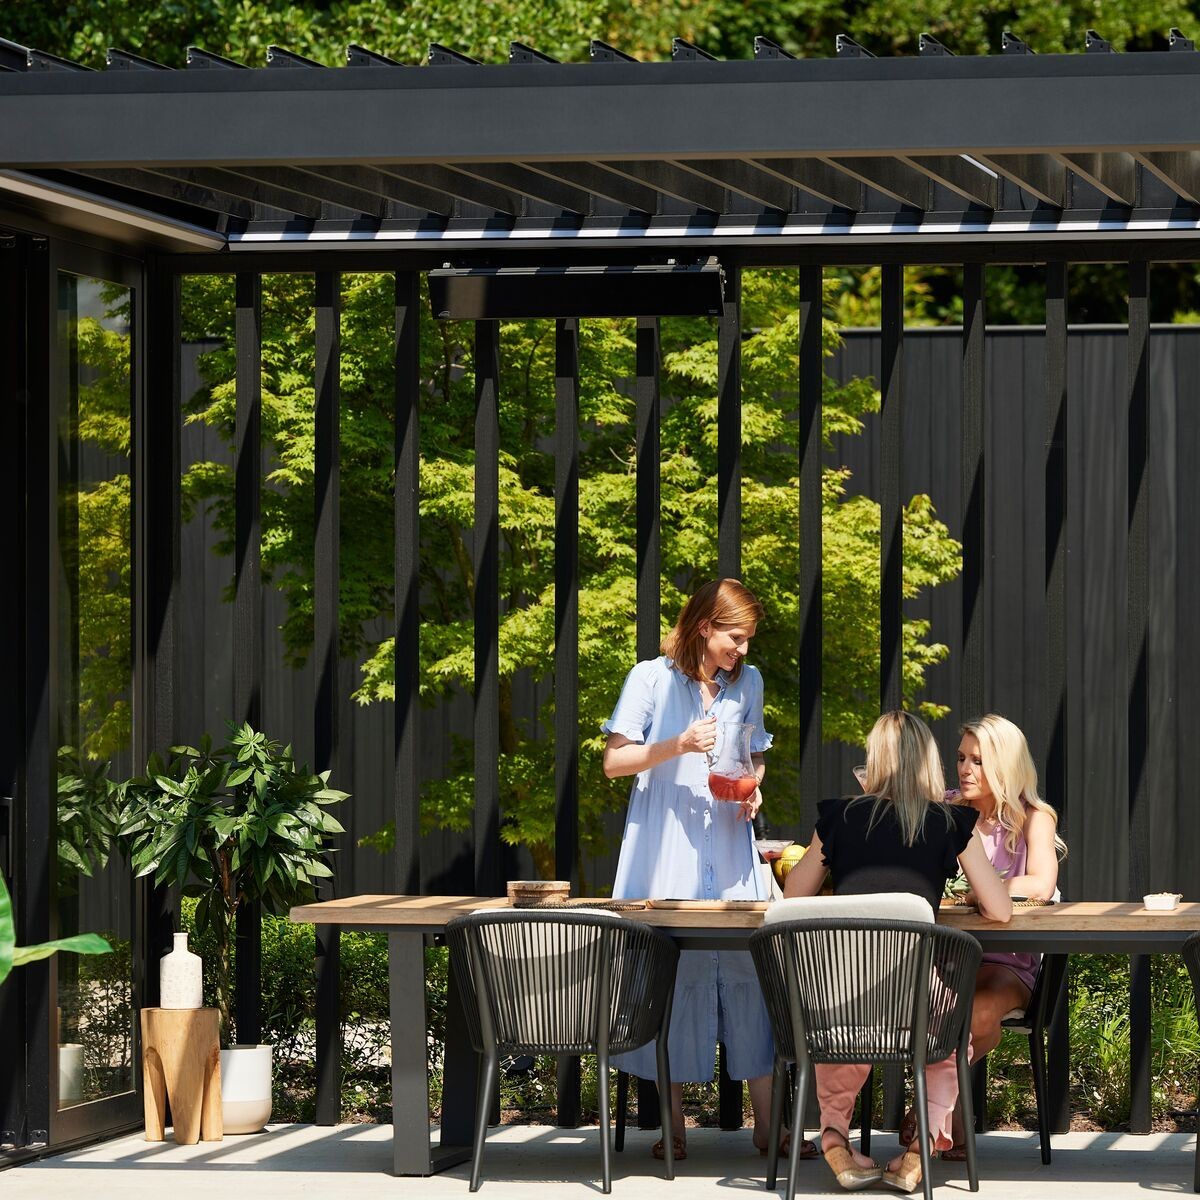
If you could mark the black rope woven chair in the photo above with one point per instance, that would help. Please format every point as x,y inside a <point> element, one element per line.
<point>865,990</point>
<point>1191,956</point>
<point>1032,1021</point>
<point>567,983</point>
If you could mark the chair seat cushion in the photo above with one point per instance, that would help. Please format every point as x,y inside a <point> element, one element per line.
<point>885,906</point>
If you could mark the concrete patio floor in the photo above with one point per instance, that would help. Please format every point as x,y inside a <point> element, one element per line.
<point>352,1162</point>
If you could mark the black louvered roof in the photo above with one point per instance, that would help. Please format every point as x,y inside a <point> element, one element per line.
<point>773,151</point>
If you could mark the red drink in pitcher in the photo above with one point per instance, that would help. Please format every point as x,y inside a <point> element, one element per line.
<point>736,789</point>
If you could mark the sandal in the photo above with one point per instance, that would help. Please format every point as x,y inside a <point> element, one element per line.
<point>956,1153</point>
<point>908,1129</point>
<point>906,1176</point>
<point>846,1171</point>
<point>678,1148</point>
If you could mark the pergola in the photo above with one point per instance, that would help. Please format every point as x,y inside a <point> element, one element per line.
<point>539,188</point>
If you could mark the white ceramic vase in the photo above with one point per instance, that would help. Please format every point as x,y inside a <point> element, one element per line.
<point>180,977</point>
<point>245,1088</point>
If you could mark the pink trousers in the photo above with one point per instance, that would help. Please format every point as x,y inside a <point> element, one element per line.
<point>837,1087</point>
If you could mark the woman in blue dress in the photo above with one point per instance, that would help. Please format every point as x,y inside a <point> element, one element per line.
<point>680,843</point>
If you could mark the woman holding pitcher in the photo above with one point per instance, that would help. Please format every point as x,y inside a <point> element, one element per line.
<point>682,843</point>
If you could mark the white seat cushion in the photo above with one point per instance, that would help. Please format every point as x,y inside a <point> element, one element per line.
<point>885,906</point>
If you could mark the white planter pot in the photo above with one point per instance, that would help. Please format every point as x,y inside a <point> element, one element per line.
<point>245,1088</point>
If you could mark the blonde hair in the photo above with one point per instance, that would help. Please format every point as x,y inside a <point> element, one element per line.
<point>904,772</point>
<point>1008,767</point>
<point>725,603</point>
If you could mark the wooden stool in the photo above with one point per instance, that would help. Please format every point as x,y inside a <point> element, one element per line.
<point>181,1059</point>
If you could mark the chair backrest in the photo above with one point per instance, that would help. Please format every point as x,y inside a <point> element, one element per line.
<point>865,989</point>
<point>561,982</point>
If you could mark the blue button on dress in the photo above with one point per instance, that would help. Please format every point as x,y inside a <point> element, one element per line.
<point>680,843</point>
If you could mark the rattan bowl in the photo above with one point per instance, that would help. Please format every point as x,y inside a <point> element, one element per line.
<point>525,893</point>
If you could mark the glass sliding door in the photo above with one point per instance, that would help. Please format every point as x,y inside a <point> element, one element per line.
<point>92,1015</point>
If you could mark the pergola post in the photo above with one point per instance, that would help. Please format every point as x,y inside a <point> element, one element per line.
<point>407,586</point>
<point>486,553</point>
<point>158,555</point>
<point>974,477</point>
<point>1137,674</point>
<point>891,505</point>
<point>1055,773</point>
<point>729,429</point>
<point>566,648</point>
<point>811,442</point>
<point>326,657</point>
<point>248,605</point>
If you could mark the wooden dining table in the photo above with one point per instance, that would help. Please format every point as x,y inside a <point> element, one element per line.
<point>413,922</point>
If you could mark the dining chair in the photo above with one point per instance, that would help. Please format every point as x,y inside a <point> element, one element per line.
<point>582,981</point>
<point>1032,1021</point>
<point>864,979</point>
<point>1191,956</point>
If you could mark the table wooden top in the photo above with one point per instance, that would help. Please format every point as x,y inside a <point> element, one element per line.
<point>432,912</point>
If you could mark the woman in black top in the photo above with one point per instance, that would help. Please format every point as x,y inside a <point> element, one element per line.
<point>898,837</point>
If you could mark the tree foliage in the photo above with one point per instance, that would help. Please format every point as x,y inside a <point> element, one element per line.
<point>607,520</point>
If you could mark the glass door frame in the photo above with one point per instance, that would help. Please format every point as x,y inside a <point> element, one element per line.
<point>45,1123</point>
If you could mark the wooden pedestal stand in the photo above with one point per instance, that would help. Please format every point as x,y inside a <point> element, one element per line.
<point>181,1059</point>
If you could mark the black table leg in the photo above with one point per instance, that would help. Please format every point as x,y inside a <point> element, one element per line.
<point>412,1152</point>
<point>1139,1044</point>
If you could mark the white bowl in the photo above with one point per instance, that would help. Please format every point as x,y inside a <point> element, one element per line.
<point>1162,901</point>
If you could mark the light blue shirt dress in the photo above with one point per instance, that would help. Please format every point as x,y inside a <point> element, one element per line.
<point>681,844</point>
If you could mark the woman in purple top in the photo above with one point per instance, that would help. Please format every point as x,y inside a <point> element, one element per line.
<point>1019,830</point>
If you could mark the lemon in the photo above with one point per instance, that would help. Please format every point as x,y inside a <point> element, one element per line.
<point>786,861</point>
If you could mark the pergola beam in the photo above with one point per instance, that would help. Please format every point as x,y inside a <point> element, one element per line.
<point>935,105</point>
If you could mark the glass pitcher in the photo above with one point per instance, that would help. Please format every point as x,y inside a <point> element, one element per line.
<point>731,773</point>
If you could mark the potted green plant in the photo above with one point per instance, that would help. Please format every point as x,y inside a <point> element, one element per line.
<point>231,825</point>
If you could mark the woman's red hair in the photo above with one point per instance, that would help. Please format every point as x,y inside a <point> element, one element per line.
<point>725,603</point>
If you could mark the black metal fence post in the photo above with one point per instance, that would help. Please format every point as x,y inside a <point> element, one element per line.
<point>326,739</point>
<point>487,608</point>
<point>406,811</point>
<point>1055,733</point>
<point>1137,674</point>
<point>811,384</point>
<point>248,602</point>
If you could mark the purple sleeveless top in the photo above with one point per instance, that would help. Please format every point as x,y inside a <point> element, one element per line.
<point>1010,864</point>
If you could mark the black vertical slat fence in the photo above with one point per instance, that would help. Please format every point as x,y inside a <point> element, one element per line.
<point>248,601</point>
<point>487,608</point>
<point>406,809</point>
<point>729,429</point>
<point>326,578</point>
<point>1137,609</point>
<point>566,648</point>
<point>973,481</point>
<point>891,513</point>
<point>811,386</point>
<point>1054,772</point>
